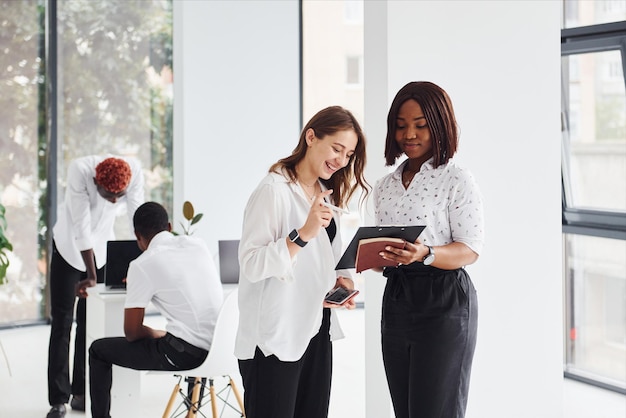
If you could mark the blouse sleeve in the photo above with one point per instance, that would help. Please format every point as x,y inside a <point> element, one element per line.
<point>263,250</point>
<point>466,213</point>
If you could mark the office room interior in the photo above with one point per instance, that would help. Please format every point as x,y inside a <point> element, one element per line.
<point>238,107</point>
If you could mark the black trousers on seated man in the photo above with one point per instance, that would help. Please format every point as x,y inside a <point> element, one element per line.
<point>167,353</point>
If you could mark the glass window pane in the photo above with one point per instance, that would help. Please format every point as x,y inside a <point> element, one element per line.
<point>353,70</point>
<point>332,51</point>
<point>594,152</point>
<point>115,87</point>
<point>595,278</point>
<point>115,96</point>
<point>332,55</point>
<point>592,12</point>
<point>21,93</point>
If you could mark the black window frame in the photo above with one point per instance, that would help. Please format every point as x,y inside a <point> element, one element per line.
<point>577,221</point>
<point>580,40</point>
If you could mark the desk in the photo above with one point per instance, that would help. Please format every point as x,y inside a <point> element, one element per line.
<point>105,318</point>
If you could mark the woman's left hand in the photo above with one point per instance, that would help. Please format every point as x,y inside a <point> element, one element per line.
<point>448,257</point>
<point>410,253</point>
<point>346,283</point>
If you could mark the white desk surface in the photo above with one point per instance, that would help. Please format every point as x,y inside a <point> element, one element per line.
<point>105,318</point>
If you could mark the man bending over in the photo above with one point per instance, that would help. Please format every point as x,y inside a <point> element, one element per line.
<point>176,274</point>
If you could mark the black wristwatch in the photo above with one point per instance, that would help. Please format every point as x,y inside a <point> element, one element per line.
<point>430,257</point>
<point>294,237</point>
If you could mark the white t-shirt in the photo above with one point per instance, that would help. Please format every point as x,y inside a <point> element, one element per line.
<point>85,220</point>
<point>177,274</point>
<point>280,298</point>
<point>446,199</point>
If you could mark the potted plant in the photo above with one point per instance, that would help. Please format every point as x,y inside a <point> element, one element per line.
<point>5,246</point>
<point>191,217</point>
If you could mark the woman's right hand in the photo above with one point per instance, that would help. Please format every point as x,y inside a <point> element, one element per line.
<point>319,217</point>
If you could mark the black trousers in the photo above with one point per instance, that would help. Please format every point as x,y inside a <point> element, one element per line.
<point>63,279</point>
<point>299,389</point>
<point>167,353</point>
<point>429,326</point>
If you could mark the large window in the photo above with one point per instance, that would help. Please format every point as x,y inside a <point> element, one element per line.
<point>594,191</point>
<point>114,90</point>
<point>332,73</point>
<point>22,141</point>
<point>77,78</point>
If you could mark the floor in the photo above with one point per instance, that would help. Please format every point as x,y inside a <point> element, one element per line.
<point>23,365</point>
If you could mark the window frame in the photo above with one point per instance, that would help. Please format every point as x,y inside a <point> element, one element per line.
<point>580,40</point>
<point>579,221</point>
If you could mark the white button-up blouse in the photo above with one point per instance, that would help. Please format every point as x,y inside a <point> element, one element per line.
<point>446,199</point>
<point>280,298</point>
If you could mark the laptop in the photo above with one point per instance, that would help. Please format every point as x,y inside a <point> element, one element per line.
<point>228,251</point>
<point>119,255</point>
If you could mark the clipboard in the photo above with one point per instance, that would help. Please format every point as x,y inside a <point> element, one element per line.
<point>408,233</point>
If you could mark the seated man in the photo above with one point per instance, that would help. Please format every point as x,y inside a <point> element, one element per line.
<point>176,274</point>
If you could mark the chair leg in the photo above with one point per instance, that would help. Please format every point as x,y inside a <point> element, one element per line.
<point>170,403</point>
<point>195,396</point>
<point>213,398</point>
<point>238,396</point>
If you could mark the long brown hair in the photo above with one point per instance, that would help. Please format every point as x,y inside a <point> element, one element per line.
<point>345,181</point>
<point>439,114</point>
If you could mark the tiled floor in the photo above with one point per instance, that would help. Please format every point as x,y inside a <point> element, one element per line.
<point>23,392</point>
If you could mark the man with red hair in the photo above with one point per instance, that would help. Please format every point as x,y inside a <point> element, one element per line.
<point>85,222</point>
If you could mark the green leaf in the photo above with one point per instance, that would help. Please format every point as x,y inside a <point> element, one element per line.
<point>196,219</point>
<point>3,273</point>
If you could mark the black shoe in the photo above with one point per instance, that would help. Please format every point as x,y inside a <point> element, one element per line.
<point>57,411</point>
<point>78,402</point>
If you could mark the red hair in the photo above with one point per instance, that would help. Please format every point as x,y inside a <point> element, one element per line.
<point>113,174</point>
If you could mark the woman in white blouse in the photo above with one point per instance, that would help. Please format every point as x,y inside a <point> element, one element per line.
<point>288,250</point>
<point>429,317</point>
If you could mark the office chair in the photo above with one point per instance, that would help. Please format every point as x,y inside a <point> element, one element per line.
<point>220,362</point>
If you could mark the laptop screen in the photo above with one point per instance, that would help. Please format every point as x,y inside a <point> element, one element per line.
<point>229,260</point>
<point>119,255</point>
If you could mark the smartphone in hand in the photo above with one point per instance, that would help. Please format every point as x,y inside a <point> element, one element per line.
<point>340,295</point>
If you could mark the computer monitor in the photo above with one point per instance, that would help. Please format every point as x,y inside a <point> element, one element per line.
<point>228,254</point>
<point>119,255</point>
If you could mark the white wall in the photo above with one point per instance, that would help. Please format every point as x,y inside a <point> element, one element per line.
<point>237,104</point>
<point>499,61</point>
<point>237,111</point>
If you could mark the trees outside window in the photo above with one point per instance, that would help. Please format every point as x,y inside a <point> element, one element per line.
<point>112,81</point>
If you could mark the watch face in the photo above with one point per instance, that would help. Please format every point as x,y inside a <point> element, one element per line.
<point>428,260</point>
<point>295,238</point>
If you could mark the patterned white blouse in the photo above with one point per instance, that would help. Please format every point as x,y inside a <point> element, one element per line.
<point>446,199</point>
